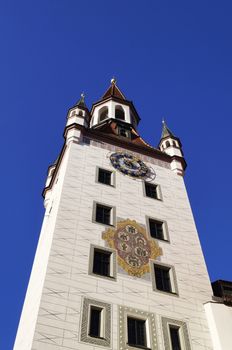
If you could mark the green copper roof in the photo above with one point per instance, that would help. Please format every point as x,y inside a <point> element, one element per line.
<point>166,131</point>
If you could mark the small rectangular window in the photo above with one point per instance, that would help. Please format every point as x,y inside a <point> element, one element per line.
<point>162,278</point>
<point>156,229</point>
<point>151,190</point>
<point>175,337</point>
<point>101,262</point>
<point>104,176</point>
<point>136,332</point>
<point>95,322</point>
<point>103,214</point>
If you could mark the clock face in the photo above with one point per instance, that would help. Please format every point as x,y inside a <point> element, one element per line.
<point>129,164</point>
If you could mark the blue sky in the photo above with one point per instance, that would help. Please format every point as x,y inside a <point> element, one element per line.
<point>172,58</point>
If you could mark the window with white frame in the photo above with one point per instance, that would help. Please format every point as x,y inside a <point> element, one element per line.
<point>152,190</point>
<point>136,332</point>
<point>175,334</point>
<point>103,214</point>
<point>164,278</point>
<point>157,229</point>
<point>95,322</point>
<point>102,262</point>
<point>105,177</point>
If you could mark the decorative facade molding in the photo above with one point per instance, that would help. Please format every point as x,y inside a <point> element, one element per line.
<point>184,332</point>
<point>113,148</point>
<point>84,337</point>
<point>124,312</point>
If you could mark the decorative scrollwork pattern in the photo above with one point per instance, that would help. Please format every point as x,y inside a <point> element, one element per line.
<point>133,247</point>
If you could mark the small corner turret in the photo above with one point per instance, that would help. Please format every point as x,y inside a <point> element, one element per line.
<point>79,113</point>
<point>171,145</point>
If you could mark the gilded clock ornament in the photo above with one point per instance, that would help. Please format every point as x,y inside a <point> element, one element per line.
<point>128,164</point>
<point>133,247</point>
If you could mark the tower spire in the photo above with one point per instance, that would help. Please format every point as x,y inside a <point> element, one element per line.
<point>81,102</point>
<point>166,131</point>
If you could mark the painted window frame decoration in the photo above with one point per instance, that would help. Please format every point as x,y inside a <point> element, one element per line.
<point>148,317</point>
<point>183,329</point>
<point>105,338</point>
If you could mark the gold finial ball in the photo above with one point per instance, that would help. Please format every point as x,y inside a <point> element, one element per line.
<point>113,81</point>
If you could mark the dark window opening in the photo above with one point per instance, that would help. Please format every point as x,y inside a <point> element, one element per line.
<point>168,144</point>
<point>123,132</point>
<point>101,262</point>
<point>119,113</point>
<point>103,114</point>
<point>162,278</point>
<point>156,229</point>
<point>103,214</point>
<point>151,190</point>
<point>175,338</point>
<point>136,332</point>
<point>104,176</point>
<point>95,322</point>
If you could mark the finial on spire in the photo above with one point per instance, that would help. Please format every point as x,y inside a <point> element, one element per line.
<point>81,102</point>
<point>113,81</point>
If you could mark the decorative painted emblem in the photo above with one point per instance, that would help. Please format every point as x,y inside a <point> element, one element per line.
<point>133,247</point>
<point>129,164</point>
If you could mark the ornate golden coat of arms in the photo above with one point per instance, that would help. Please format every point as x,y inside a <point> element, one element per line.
<point>133,247</point>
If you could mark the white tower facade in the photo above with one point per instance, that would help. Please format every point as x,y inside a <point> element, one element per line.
<point>119,264</point>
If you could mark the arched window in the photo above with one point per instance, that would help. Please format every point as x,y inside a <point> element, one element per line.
<point>119,113</point>
<point>103,114</point>
<point>167,144</point>
<point>174,143</point>
<point>80,113</point>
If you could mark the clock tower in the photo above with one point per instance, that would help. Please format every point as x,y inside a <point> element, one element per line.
<point>119,263</point>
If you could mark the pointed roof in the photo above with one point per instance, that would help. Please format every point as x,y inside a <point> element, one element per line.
<point>166,131</point>
<point>113,91</point>
<point>81,102</point>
